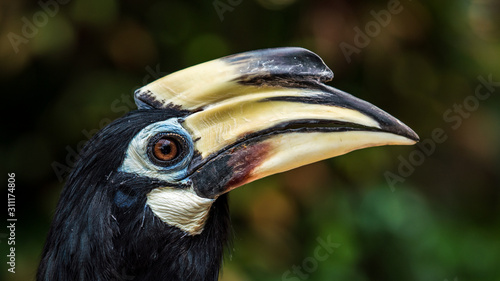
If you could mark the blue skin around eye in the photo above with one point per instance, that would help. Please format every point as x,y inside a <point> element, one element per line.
<point>138,149</point>
<point>123,200</point>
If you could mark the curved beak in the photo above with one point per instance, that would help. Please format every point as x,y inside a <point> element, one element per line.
<point>266,112</point>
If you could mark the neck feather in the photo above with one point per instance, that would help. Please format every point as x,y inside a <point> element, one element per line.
<point>92,239</point>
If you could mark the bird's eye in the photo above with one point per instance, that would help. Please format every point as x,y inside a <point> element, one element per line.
<point>165,148</point>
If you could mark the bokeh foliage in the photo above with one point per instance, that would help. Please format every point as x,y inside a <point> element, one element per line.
<point>79,69</point>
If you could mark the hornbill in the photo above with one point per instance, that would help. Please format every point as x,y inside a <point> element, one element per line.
<point>147,199</point>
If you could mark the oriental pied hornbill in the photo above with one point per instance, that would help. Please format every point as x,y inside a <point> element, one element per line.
<point>148,198</point>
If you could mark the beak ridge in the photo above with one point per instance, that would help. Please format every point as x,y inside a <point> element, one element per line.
<point>202,85</point>
<point>264,112</point>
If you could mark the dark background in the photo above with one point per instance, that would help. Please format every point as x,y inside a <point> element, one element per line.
<point>66,70</point>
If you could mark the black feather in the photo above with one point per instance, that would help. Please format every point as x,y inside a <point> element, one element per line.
<point>103,229</point>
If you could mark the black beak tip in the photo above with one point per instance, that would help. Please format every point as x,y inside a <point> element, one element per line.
<point>409,133</point>
<point>413,136</point>
<point>401,129</point>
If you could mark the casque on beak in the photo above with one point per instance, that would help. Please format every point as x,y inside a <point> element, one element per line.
<point>264,112</point>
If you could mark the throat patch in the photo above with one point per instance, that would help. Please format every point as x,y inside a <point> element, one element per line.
<point>181,208</point>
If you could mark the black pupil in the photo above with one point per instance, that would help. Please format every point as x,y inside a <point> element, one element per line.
<point>166,146</point>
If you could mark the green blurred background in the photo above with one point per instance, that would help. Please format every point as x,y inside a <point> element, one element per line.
<point>68,68</point>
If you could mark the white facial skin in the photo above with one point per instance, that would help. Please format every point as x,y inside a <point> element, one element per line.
<point>177,207</point>
<point>180,207</point>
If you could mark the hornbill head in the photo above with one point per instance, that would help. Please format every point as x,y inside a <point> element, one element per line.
<point>147,200</point>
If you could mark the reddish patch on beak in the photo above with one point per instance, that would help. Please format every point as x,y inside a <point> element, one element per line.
<point>244,159</point>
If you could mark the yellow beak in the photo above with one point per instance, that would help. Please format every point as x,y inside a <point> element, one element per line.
<point>259,113</point>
